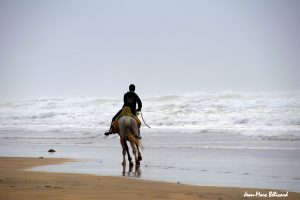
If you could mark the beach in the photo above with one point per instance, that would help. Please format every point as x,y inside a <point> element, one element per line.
<point>250,168</point>
<point>186,173</point>
<point>16,183</point>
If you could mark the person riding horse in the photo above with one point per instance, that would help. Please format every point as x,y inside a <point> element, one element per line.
<point>130,100</point>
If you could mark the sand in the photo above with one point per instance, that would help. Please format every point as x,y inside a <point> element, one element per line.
<point>17,183</point>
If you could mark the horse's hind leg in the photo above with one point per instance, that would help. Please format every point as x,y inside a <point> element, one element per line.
<point>128,154</point>
<point>133,146</point>
<point>136,131</point>
<point>122,141</point>
<point>139,153</point>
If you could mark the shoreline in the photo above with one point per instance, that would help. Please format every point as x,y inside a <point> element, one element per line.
<point>18,183</point>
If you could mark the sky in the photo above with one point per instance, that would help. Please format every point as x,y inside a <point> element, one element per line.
<point>71,48</point>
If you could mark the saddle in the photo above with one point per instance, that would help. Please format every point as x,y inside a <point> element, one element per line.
<point>126,111</point>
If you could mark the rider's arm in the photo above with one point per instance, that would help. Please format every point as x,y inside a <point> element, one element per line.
<point>139,102</point>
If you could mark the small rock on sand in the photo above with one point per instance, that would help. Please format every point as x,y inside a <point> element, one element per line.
<point>51,151</point>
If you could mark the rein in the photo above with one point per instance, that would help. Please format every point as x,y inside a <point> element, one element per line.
<point>144,120</point>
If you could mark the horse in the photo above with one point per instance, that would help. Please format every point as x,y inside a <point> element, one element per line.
<point>128,131</point>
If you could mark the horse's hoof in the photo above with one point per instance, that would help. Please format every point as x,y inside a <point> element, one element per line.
<point>131,164</point>
<point>137,162</point>
<point>140,158</point>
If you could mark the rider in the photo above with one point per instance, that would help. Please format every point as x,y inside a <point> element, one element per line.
<point>130,99</point>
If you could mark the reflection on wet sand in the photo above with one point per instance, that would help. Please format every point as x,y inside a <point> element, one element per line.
<point>130,173</point>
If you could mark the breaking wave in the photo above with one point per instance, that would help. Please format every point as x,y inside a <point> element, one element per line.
<point>270,116</point>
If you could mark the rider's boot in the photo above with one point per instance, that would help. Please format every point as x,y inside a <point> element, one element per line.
<point>139,135</point>
<point>110,131</point>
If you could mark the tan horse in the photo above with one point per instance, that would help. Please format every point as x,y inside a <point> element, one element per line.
<point>129,131</point>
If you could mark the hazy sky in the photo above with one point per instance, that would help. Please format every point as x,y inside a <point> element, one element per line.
<point>54,48</point>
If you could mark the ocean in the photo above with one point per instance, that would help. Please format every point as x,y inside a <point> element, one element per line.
<point>264,120</point>
<point>222,139</point>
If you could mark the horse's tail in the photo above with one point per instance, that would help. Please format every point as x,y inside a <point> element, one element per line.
<point>136,141</point>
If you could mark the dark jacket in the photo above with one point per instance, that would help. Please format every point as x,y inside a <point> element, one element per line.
<point>131,99</point>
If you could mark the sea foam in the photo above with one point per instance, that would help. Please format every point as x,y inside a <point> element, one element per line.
<point>269,116</point>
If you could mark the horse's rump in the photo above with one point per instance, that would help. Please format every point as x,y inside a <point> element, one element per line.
<point>126,111</point>
<point>128,129</point>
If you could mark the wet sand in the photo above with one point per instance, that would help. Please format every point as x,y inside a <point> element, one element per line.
<point>275,169</point>
<point>17,183</point>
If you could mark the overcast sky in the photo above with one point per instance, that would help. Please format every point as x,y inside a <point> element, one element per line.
<point>61,48</point>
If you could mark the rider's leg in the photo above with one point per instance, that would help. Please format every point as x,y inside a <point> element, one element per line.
<point>116,115</point>
<point>110,131</point>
